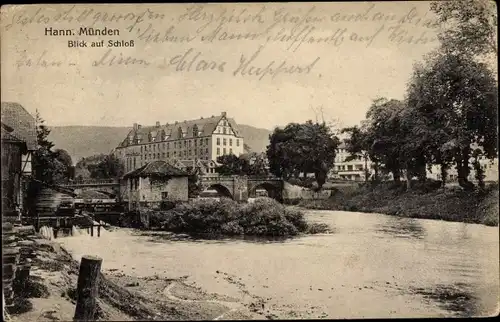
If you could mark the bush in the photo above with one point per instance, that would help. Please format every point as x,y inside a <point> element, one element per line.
<point>263,217</point>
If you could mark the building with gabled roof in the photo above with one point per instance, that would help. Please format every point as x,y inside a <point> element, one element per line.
<point>19,140</point>
<point>203,139</point>
<point>154,183</point>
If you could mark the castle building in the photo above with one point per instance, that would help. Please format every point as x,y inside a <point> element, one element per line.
<point>195,143</point>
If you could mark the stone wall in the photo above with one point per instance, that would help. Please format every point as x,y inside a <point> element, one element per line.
<point>150,191</point>
<point>292,192</point>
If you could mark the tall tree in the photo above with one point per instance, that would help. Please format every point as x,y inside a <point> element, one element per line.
<point>49,166</point>
<point>470,26</point>
<point>456,97</point>
<point>306,148</point>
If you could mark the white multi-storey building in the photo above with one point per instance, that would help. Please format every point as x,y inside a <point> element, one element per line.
<point>194,143</point>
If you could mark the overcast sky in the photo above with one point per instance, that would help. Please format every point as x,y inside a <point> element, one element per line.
<point>344,79</point>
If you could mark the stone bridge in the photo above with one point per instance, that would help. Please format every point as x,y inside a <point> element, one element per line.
<point>240,188</point>
<point>110,187</point>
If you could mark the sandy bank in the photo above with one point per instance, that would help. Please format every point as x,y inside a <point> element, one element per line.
<point>51,294</point>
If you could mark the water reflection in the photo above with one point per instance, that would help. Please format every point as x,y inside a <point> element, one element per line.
<point>165,237</point>
<point>402,228</point>
<point>456,298</point>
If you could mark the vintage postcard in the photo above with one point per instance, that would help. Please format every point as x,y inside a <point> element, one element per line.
<point>224,161</point>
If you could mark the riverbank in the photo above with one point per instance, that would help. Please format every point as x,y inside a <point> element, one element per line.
<point>50,294</point>
<point>451,204</point>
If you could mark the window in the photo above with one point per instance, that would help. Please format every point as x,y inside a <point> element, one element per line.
<point>185,153</point>
<point>195,130</point>
<point>175,153</point>
<point>230,151</point>
<point>164,195</point>
<point>218,151</point>
<point>179,133</point>
<point>201,151</point>
<point>224,142</point>
<point>237,142</point>
<point>218,141</point>
<point>349,167</point>
<point>154,148</point>
<point>168,155</point>
<point>189,143</point>
<point>158,155</point>
<point>230,142</point>
<point>185,143</point>
<point>224,151</point>
<point>141,149</point>
<point>206,141</point>
<point>206,151</point>
<point>224,131</point>
<point>163,154</point>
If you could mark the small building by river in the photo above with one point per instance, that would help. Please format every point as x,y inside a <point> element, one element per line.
<point>18,144</point>
<point>154,183</point>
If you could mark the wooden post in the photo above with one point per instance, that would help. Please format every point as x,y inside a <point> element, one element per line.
<point>92,230</point>
<point>99,231</point>
<point>87,289</point>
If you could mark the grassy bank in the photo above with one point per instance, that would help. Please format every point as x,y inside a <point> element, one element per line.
<point>423,201</point>
<point>263,217</point>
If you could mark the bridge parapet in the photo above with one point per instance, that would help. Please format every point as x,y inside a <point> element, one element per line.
<point>93,182</point>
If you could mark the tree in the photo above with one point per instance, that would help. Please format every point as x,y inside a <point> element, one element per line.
<point>455,97</point>
<point>49,166</point>
<point>470,26</point>
<point>257,163</point>
<point>386,136</point>
<point>109,167</point>
<point>305,148</point>
<point>64,164</point>
<point>230,164</point>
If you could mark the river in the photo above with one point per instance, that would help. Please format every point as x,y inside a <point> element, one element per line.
<point>371,266</point>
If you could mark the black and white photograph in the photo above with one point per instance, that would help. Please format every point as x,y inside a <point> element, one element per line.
<point>249,161</point>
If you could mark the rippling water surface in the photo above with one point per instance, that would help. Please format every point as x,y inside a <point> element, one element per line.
<point>372,266</point>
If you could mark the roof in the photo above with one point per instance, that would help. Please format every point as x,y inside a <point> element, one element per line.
<point>156,168</point>
<point>7,135</point>
<point>205,127</point>
<point>22,123</point>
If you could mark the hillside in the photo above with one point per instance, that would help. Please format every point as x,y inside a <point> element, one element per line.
<point>84,141</point>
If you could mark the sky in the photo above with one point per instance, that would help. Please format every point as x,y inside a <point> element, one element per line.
<point>42,73</point>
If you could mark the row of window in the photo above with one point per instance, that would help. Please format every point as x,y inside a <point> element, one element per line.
<point>180,144</point>
<point>224,151</point>
<point>349,167</point>
<point>224,142</point>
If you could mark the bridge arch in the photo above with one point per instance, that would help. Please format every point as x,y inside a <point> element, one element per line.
<point>221,189</point>
<point>274,189</point>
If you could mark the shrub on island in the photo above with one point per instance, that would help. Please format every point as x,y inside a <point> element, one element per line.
<point>263,217</point>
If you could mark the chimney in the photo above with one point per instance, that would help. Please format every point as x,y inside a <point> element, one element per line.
<point>135,126</point>
<point>157,123</point>
<point>138,126</point>
<point>175,122</point>
<point>223,114</point>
